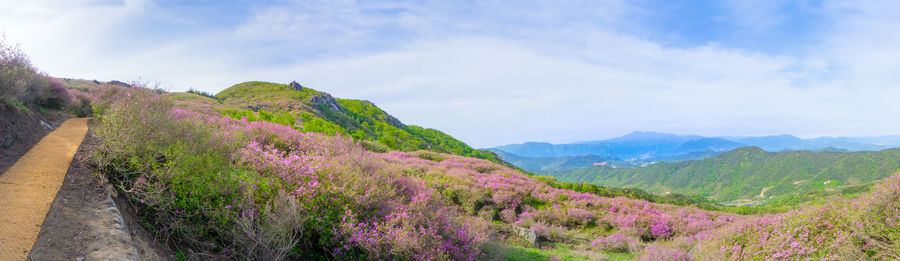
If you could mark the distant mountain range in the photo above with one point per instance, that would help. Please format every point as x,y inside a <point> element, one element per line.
<point>641,148</point>
<point>560,163</point>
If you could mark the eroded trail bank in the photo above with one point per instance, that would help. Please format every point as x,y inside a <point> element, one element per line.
<point>27,188</point>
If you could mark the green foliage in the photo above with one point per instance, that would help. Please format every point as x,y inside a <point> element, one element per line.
<point>81,106</point>
<point>18,104</point>
<point>315,124</point>
<point>558,252</point>
<point>202,93</point>
<point>862,228</point>
<point>374,146</point>
<point>742,174</point>
<point>193,97</point>
<point>310,123</point>
<point>369,122</point>
<point>358,118</point>
<point>672,198</point>
<point>263,93</point>
<point>183,179</point>
<point>431,156</point>
<point>283,118</point>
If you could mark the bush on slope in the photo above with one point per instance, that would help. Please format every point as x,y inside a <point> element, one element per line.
<point>867,227</point>
<point>21,85</point>
<point>258,190</point>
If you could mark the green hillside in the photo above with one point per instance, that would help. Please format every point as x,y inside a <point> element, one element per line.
<point>749,175</point>
<point>315,111</point>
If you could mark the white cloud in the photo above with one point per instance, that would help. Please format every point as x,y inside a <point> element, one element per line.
<point>492,91</point>
<point>60,35</point>
<point>493,73</point>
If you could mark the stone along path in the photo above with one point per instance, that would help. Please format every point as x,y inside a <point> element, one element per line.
<point>27,189</point>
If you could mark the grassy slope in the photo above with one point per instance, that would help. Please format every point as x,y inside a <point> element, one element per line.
<point>190,97</point>
<point>457,184</point>
<point>358,118</point>
<point>182,171</point>
<point>364,120</point>
<point>743,173</point>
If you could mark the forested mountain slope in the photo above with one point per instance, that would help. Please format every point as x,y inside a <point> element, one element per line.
<point>748,173</point>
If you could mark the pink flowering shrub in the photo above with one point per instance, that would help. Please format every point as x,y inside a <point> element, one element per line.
<point>552,233</point>
<point>259,190</point>
<point>860,228</point>
<point>266,190</point>
<point>579,217</point>
<point>660,228</point>
<point>877,224</point>
<point>508,216</point>
<point>21,84</point>
<point>618,242</point>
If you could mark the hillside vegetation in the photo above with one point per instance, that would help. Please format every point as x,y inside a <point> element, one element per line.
<point>315,111</point>
<point>24,88</point>
<point>749,174</point>
<point>217,182</point>
<point>217,187</point>
<point>228,188</point>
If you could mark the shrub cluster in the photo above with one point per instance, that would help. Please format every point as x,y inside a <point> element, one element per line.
<point>866,227</point>
<point>259,190</point>
<point>202,93</point>
<point>21,85</point>
<point>244,189</point>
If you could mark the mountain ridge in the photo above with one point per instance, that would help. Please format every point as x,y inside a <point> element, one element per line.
<point>317,111</point>
<point>658,146</point>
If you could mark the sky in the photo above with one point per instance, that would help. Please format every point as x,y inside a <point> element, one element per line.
<point>500,72</point>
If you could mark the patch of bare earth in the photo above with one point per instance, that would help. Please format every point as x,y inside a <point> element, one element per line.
<point>20,130</point>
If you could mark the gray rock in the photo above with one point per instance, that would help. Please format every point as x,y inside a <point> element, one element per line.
<point>528,234</point>
<point>327,100</point>
<point>296,86</point>
<point>6,139</point>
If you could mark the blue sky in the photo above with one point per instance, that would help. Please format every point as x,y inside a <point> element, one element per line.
<point>498,72</point>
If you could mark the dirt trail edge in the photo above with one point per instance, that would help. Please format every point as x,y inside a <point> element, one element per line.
<point>27,189</point>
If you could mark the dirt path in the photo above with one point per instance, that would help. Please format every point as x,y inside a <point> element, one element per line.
<point>27,189</point>
<point>85,222</point>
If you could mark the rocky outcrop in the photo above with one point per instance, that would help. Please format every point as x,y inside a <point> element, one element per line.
<point>296,86</point>
<point>528,234</point>
<point>327,101</point>
<point>6,139</point>
<point>119,83</point>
